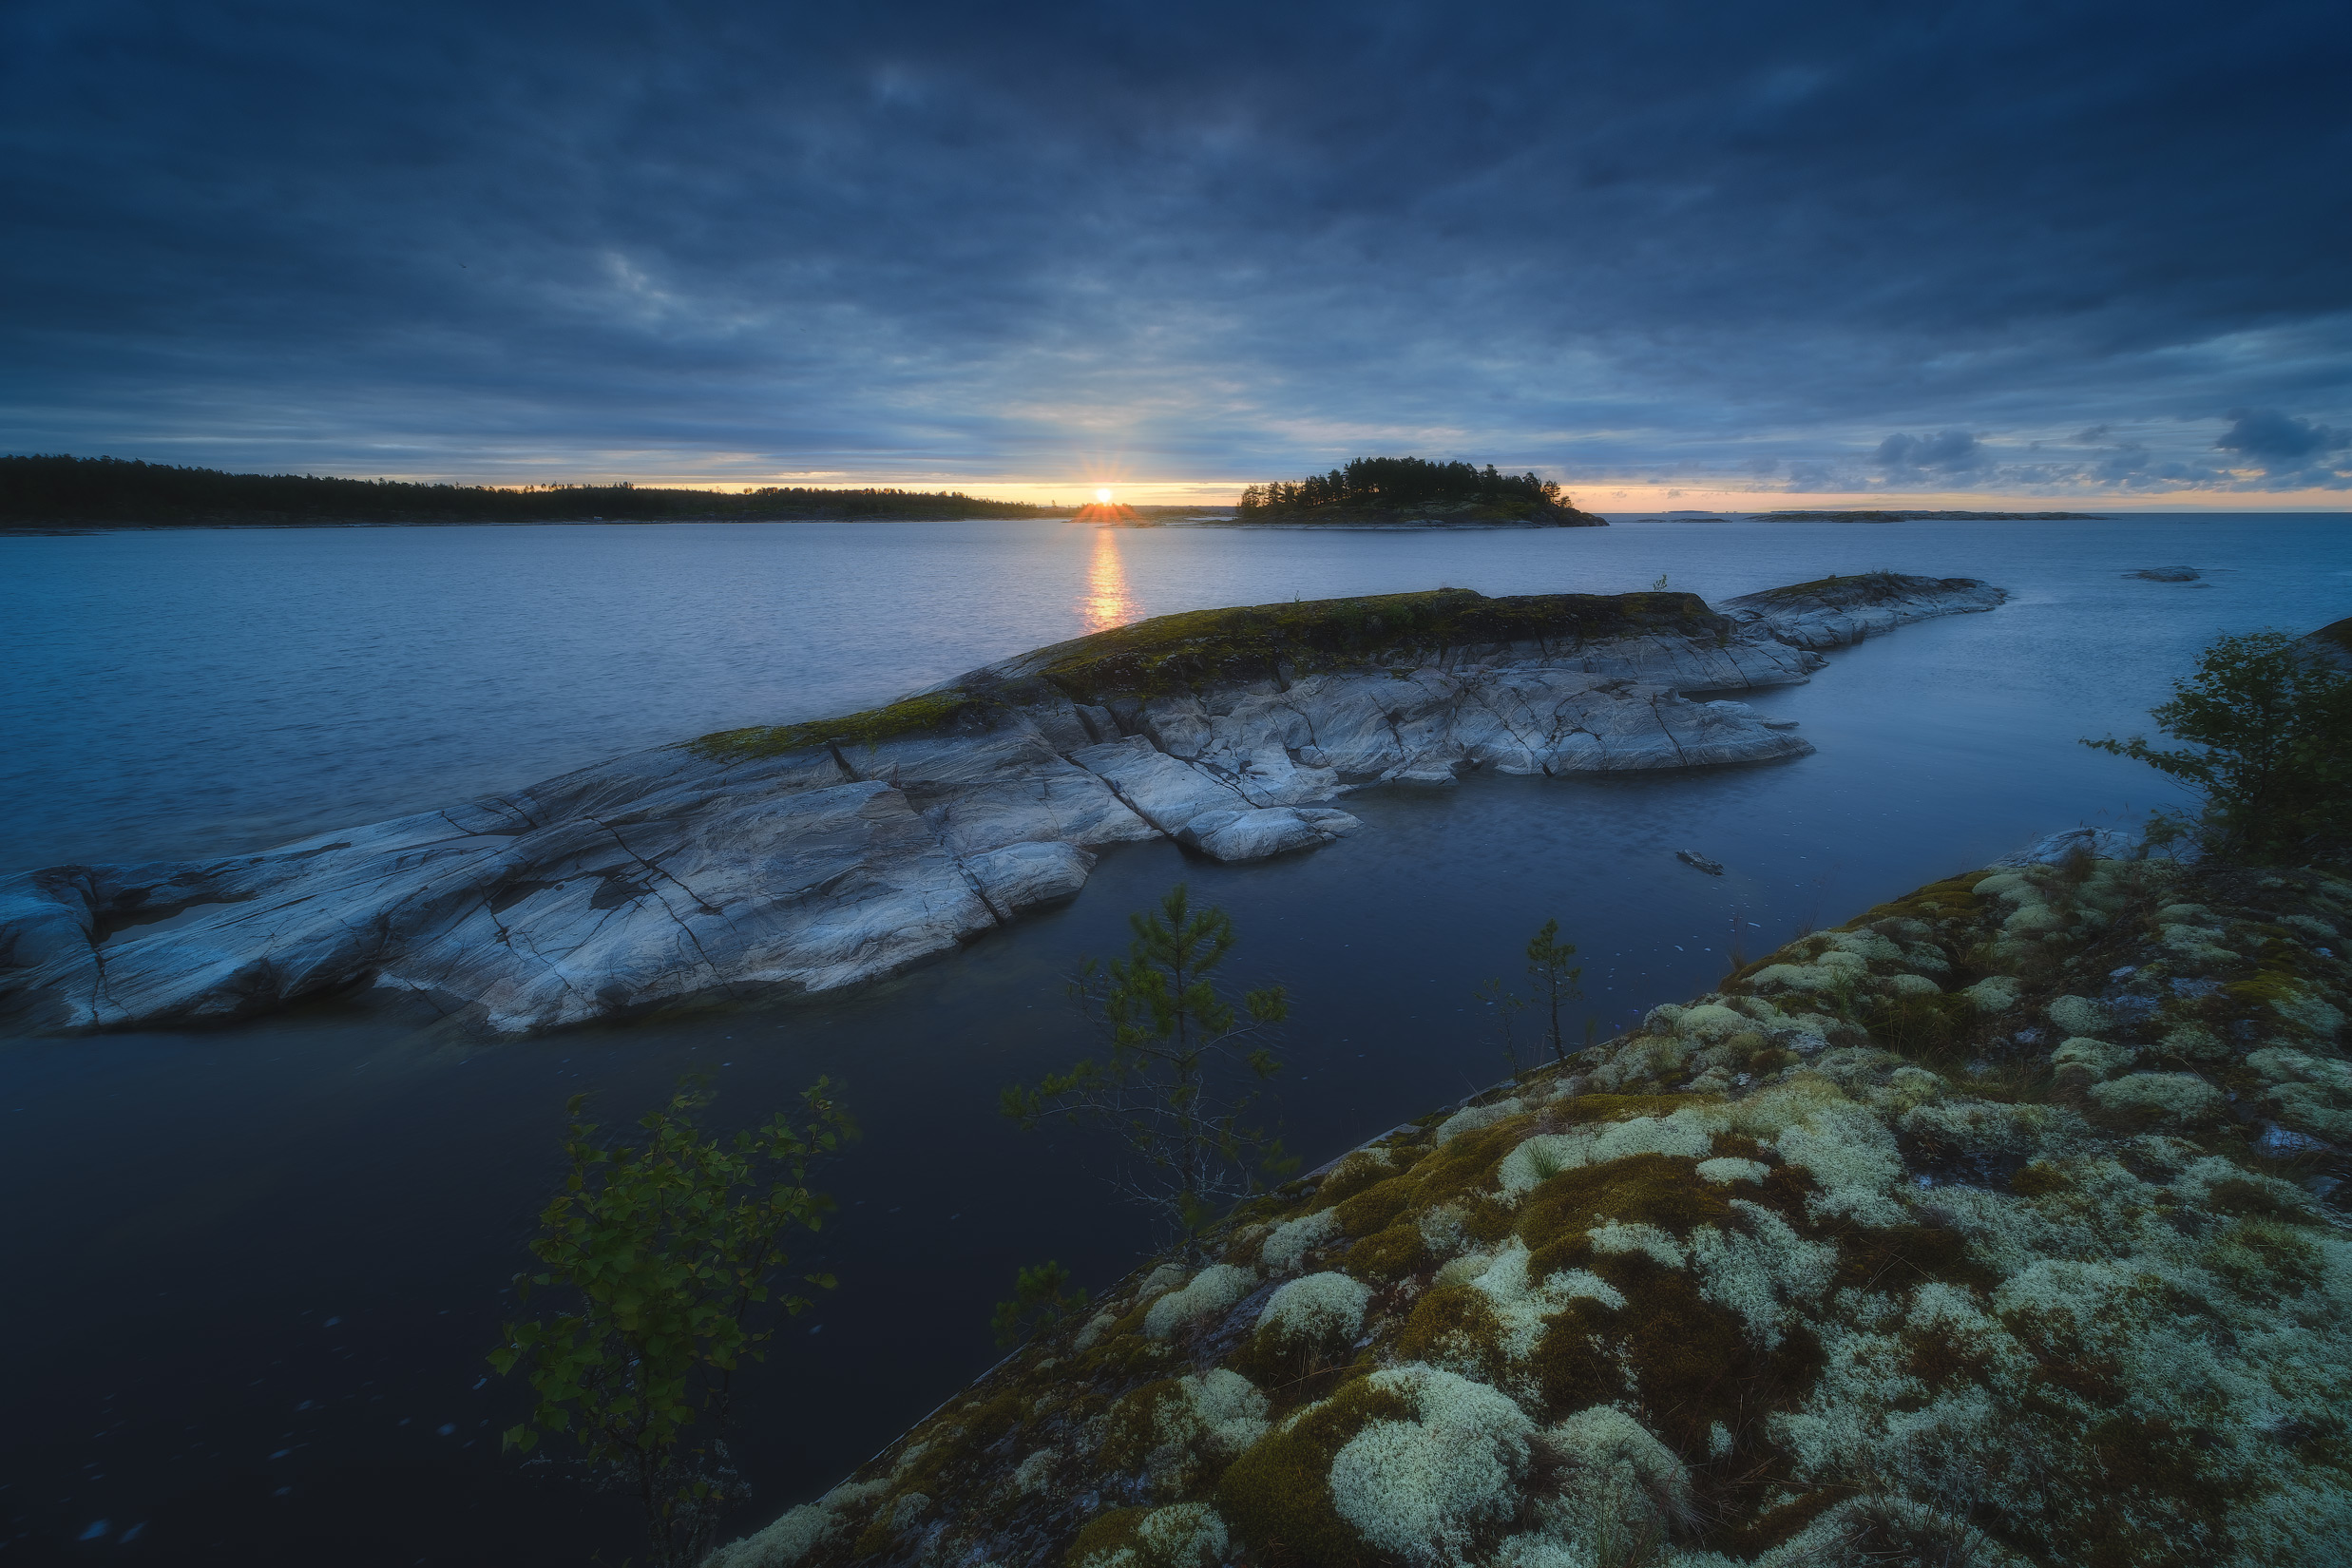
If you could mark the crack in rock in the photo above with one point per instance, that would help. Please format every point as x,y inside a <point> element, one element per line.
<point>800,872</point>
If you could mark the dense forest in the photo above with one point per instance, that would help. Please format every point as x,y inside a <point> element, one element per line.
<point>35,490</point>
<point>1390,489</point>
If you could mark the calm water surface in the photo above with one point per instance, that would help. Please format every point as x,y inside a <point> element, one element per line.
<point>253,1272</point>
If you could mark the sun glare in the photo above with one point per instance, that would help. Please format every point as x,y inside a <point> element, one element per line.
<point>1104,496</point>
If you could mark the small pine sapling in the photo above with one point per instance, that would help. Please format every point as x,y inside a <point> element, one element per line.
<point>1184,1068</point>
<point>1043,1295</point>
<point>1555,980</point>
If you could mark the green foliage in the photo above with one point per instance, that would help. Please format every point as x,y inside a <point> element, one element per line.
<point>1555,980</point>
<point>108,490</point>
<point>1374,483</point>
<point>928,712</point>
<point>1184,1068</point>
<point>2271,725</point>
<point>1042,1295</point>
<point>666,1253</point>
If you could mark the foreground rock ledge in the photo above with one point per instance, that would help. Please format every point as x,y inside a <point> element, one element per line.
<point>810,856</point>
<point>2004,1225</point>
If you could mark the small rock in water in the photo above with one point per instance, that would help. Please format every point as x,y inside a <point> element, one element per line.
<point>2167,574</point>
<point>1692,857</point>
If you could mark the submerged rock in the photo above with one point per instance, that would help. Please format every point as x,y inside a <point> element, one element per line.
<point>810,856</point>
<point>1821,1268</point>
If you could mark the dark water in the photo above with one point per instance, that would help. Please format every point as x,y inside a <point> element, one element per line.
<point>251,1273</point>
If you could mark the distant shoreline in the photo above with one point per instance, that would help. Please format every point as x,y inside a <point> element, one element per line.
<point>50,492</point>
<point>84,524</point>
<point>1865,516</point>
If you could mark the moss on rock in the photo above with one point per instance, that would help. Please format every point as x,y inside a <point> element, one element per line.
<point>1883,1249</point>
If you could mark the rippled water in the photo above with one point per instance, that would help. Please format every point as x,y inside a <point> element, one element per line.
<point>253,1271</point>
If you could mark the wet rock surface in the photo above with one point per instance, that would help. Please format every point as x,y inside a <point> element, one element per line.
<point>813,856</point>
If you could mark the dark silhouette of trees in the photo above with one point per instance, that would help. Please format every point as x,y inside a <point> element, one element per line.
<point>109,490</point>
<point>1385,484</point>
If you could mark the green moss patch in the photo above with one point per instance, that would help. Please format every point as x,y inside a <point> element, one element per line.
<point>1107,1534</point>
<point>1389,1254</point>
<point>927,714</point>
<point>1661,1190</point>
<point>1200,648</point>
<point>1277,1496</point>
<point>1455,1327</point>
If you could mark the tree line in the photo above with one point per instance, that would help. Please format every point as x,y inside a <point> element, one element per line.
<point>108,490</point>
<point>1386,482</point>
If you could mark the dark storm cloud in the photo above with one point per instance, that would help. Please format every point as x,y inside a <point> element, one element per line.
<point>1951,451</point>
<point>1641,241</point>
<point>2276,439</point>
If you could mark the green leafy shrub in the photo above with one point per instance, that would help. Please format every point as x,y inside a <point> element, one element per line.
<point>669,1250</point>
<point>2271,725</point>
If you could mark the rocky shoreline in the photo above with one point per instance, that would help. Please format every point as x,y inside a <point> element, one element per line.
<point>812,857</point>
<point>2003,1225</point>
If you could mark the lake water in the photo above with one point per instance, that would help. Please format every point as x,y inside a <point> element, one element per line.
<point>251,1273</point>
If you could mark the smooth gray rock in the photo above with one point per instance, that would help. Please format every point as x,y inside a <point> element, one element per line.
<point>1838,612</point>
<point>2100,843</point>
<point>1264,830</point>
<point>675,875</point>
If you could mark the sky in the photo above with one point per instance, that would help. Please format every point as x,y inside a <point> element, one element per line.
<point>1670,252</point>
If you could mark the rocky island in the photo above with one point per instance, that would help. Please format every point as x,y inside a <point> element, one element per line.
<point>1412,491</point>
<point>804,857</point>
<point>2003,1225</point>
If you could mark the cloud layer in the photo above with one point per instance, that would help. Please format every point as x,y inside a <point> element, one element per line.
<point>2093,248</point>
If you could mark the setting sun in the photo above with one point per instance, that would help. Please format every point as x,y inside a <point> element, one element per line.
<point>1104,496</point>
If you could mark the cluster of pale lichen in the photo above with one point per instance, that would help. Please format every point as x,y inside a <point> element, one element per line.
<point>1999,1226</point>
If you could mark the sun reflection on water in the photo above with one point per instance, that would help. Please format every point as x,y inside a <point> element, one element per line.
<point>1107,601</point>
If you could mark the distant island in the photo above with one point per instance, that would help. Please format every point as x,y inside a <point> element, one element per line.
<point>1410,489</point>
<point>1938,517</point>
<point>46,491</point>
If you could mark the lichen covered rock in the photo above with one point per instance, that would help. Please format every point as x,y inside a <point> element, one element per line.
<point>1944,1236</point>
